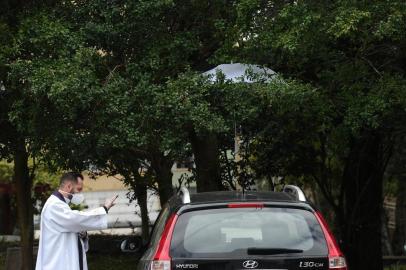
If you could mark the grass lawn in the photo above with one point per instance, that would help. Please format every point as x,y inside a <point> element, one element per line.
<point>107,262</point>
<point>3,250</point>
<point>98,261</point>
<point>105,254</point>
<point>2,260</point>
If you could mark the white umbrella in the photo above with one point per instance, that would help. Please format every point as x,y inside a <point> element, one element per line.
<point>242,73</point>
<point>237,73</point>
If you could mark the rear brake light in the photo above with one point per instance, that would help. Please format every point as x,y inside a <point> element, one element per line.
<point>162,260</point>
<point>246,205</point>
<point>335,256</point>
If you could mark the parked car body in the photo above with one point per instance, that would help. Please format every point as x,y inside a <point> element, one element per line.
<point>235,230</point>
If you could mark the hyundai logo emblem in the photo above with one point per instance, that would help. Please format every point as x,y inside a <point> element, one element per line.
<point>250,264</point>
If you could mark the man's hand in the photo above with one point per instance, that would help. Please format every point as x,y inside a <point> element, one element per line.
<point>83,235</point>
<point>110,202</point>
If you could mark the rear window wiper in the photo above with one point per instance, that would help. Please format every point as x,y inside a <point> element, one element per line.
<point>271,251</point>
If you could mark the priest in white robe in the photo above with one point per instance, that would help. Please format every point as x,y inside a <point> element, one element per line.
<point>60,247</point>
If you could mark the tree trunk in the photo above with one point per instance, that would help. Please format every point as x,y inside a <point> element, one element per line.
<point>399,239</point>
<point>387,249</point>
<point>206,154</point>
<point>363,193</point>
<point>23,184</point>
<point>141,194</point>
<point>5,209</point>
<point>162,167</point>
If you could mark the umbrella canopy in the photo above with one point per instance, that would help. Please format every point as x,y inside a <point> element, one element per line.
<point>242,73</point>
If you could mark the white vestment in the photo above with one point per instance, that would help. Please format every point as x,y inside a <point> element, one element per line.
<point>58,244</point>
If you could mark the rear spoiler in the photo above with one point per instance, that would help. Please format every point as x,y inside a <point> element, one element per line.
<point>295,191</point>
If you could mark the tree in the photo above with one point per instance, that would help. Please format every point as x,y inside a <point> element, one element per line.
<point>31,40</point>
<point>163,39</point>
<point>396,174</point>
<point>353,53</point>
<point>106,126</point>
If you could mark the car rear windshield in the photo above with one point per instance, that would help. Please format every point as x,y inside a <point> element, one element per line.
<point>237,231</point>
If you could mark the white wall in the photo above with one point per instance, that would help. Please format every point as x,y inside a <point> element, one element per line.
<point>124,214</point>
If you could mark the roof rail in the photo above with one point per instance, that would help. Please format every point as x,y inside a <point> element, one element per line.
<point>184,194</point>
<point>295,191</point>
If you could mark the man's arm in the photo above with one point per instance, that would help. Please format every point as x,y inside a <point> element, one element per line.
<point>66,220</point>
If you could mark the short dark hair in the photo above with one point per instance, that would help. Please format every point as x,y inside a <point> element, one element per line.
<point>68,177</point>
<point>79,175</point>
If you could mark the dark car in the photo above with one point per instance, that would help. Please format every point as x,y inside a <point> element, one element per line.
<point>241,230</point>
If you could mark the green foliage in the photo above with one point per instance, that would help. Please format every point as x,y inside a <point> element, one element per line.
<point>342,50</point>
<point>43,176</point>
<point>6,172</point>
<point>342,137</point>
<point>39,45</point>
<point>347,22</point>
<point>124,120</point>
<point>117,85</point>
<point>41,36</point>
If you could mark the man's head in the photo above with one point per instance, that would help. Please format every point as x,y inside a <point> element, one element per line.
<point>79,186</point>
<point>69,182</point>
